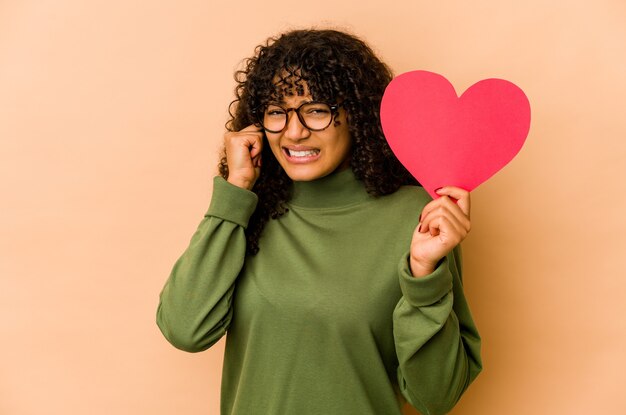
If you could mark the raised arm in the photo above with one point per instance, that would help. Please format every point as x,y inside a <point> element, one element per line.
<point>437,343</point>
<point>195,304</point>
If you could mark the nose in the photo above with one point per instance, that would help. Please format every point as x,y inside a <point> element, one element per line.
<point>295,130</point>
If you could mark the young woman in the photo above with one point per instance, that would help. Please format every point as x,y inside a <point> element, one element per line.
<point>335,277</point>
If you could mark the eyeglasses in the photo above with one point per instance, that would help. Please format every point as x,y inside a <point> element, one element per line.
<point>315,116</point>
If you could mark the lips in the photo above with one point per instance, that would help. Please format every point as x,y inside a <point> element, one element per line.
<point>301,154</point>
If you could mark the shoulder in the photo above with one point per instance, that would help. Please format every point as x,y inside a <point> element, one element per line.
<point>400,209</point>
<point>395,216</point>
<point>409,197</point>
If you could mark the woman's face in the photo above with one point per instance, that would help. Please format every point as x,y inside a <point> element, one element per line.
<point>308,155</point>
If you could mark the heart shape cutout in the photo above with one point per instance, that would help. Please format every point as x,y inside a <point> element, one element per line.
<point>446,140</point>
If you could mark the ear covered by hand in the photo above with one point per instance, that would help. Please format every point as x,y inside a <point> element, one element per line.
<point>243,155</point>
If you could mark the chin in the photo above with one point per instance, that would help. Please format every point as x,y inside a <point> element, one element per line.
<point>306,173</point>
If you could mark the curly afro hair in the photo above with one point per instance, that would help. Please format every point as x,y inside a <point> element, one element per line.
<point>336,67</point>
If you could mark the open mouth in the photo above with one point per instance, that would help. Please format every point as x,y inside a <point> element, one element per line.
<point>302,153</point>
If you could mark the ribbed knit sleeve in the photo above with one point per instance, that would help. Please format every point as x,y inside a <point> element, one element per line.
<point>437,344</point>
<point>195,307</point>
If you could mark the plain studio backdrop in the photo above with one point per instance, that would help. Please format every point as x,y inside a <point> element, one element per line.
<point>111,119</point>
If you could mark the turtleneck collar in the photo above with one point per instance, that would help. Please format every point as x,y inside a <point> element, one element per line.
<point>335,190</point>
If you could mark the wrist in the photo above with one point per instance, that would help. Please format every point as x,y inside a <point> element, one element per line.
<point>421,269</point>
<point>240,182</point>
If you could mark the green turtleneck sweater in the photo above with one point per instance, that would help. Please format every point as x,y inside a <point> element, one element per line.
<point>326,319</point>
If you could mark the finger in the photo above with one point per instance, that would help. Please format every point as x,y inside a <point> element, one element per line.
<point>255,147</point>
<point>252,127</point>
<point>435,209</point>
<point>440,203</point>
<point>255,139</point>
<point>445,229</point>
<point>458,221</point>
<point>433,226</point>
<point>251,140</point>
<point>433,204</point>
<point>455,210</point>
<point>461,195</point>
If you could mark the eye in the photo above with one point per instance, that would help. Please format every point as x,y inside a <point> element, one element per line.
<point>316,109</point>
<point>274,111</point>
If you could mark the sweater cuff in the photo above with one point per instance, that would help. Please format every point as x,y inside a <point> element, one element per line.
<point>231,203</point>
<point>427,290</point>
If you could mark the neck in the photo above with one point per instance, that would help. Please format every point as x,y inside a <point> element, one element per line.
<point>337,189</point>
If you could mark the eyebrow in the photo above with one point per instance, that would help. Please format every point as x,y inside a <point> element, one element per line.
<point>283,103</point>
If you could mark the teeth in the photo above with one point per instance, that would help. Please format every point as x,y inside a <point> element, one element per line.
<point>294,153</point>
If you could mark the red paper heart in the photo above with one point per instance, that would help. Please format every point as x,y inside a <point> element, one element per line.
<point>445,140</point>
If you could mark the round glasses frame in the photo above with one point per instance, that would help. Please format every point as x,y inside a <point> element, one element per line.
<point>260,114</point>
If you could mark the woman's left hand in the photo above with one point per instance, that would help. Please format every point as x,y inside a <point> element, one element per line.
<point>444,223</point>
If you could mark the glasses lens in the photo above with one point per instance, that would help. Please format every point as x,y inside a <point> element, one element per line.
<point>314,115</point>
<point>274,118</point>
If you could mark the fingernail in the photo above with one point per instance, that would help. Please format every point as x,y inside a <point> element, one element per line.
<point>438,190</point>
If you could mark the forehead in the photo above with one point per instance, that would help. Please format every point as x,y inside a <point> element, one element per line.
<point>290,86</point>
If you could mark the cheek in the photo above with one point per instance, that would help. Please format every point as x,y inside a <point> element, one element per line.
<point>344,141</point>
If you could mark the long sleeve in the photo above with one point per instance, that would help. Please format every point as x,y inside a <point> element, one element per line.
<point>437,344</point>
<point>195,307</point>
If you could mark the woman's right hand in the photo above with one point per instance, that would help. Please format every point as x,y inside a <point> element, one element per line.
<point>243,155</point>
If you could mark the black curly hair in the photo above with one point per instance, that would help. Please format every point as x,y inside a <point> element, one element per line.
<point>336,67</point>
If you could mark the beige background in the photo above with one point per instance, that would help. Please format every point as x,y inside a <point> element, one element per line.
<point>111,116</point>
